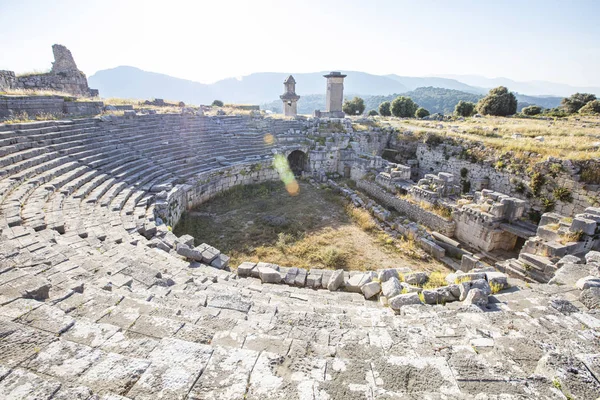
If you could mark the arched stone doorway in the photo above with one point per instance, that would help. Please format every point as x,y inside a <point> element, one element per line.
<point>297,160</point>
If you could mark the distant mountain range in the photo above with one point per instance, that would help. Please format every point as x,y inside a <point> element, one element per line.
<point>265,87</point>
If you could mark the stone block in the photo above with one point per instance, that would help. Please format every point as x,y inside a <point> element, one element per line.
<point>391,287</point>
<point>446,294</point>
<point>587,226</point>
<point>416,278</point>
<point>191,254</point>
<point>355,282</point>
<point>336,281</point>
<point>590,298</point>
<point>430,296</point>
<point>482,285</point>
<point>587,282</point>
<point>300,280</point>
<point>268,275</point>
<point>468,262</point>
<point>245,268</point>
<point>290,276</point>
<point>592,256</point>
<point>476,297</point>
<point>186,240</point>
<point>386,274</point>
<point>397,302</point>
<point>497,280</point>
<point>370,289</point>
<point>220,262</point>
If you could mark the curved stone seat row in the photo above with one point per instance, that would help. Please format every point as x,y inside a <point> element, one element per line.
<point>95,302</point>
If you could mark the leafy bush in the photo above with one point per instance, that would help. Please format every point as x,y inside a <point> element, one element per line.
<point>563,194</point>
<point>464,109</point>
<point>576,101</point>
<point>385,109</point>
<point>499,102</point>
<point>217,103</point>
<point>373,113</point>
<point>464,172</point>
<point>532,110</point>
<point>333,258</point>
<point>403,107</point>
<point>591,108</point>
<point>421,113</point>
<point>356,106</point>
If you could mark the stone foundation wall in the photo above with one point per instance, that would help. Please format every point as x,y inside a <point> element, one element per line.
<point>72,82</point>
<point>440,159</point>
<point>170,206</point>
<point>412,211</point>
<point>55,105</point>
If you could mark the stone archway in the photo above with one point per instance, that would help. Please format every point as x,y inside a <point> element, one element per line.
<point>298,161</point>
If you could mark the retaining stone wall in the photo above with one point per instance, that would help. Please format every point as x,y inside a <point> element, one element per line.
<point>72,82</point>
<point>208,185</point>
<point>55,105</point>
<point>7,80</point>
<point>412,211</point>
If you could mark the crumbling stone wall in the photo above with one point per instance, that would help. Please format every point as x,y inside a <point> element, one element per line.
<point>64,77</point>
<point>412,211</point>
<point>483,175</point>
<point>7,80</point>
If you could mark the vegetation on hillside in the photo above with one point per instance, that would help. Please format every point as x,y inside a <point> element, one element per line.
<point>498,102</point>
<point>356,106</point>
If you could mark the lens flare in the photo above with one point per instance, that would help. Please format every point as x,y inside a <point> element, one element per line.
<point>286,175</point>
<point>269,139</point>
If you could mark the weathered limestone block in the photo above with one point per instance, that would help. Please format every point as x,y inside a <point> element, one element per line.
<point>355,282</point>
<point>220,262</point>
<point>391,287</point>
<point>245,268</point>
<point>590,297</point>
<point>569,274</point>
<point>416,278</point>
<point>430,296</point>
<point>587,226</point>
<point>269,275</point>
<point>187,240</point>
<point>464,288</point>
<point>313,280</point>
<point>336,280</point>
<point>370,289</point>
<point>300,278</point>
<point>386,274</point>
<point>587,282</point>
<point>209,253</point>
<point>445,294</point>
<point>476,297</point>
<point>592,256</point>
<point>290,276</point>
<point>482,285</point>
<point>191,254</point>
<point>569,258</point>
<point>397,302</point>
<point>498,280</point>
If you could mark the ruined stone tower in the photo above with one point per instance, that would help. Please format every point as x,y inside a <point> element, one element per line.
<point>63,59</point>
<point>335,94</point>
<point>289,97</point>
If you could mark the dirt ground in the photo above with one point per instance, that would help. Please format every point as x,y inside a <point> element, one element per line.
<point>309,230</point>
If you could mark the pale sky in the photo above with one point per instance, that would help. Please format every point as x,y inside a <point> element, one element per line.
<point>206,41</point>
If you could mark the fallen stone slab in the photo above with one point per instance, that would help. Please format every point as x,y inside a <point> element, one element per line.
<point>397,302</point>
<point>386,274</point>
<point>371,289</point>
<point>357,281</point>
<point>416,278</point>
<point>430,297</point>
<point>336,280</point>
<point>497,280</point>
<point>391,288</point>
<point>569,274</point>
<point>482,285</point>
<point>476,297</point>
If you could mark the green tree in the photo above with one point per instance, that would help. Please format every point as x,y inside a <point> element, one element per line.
<point>532,110</point>
<point>421,112</point>
<point>464,109</point>
<point>591,107</point>
<point>576,101</point>
<point>373,113</point>
<point>217,103</point>
<point>499,101</point>
<point>385,109</point>
<point>356,106</point>
<point>403,107</point>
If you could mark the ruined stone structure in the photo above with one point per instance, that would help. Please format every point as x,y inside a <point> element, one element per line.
<point>289,97</point>
<point>335,96</point>
<point>64,77</point>
<point>99,299</point>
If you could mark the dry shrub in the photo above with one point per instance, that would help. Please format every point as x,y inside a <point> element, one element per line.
<point>361,217</point>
